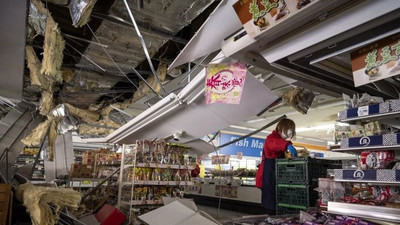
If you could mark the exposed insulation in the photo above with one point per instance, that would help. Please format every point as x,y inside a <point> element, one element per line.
<point>46,103</point>
<point>299,98</point>
<point>35,138</point>
<point>53,51</point>
<point>121,105</point>
<point>84,114</point>
<point>52,138</point>
<point>34,65</point>
<point>80,11</point>
<point>144,89</point>
<point>68,74</point>
<point>96,107</point>
<point>102,127</point>
<point>37,200</point>
<point>40,7</point>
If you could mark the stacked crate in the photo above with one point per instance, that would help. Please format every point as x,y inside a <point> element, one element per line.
<point>296,180</point>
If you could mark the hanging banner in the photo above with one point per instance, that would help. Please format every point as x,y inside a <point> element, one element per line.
<point>220,159</point>
<point>376,61</point>
<point>224,82</point>
<point>258,16</point>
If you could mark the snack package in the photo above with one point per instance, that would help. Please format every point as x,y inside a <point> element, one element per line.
<point>367,99</point>
<point>376,159</point>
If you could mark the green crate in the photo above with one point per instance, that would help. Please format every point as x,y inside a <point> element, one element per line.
<point>296,194</point>
<point>282,209</point>
<point>303,170</point>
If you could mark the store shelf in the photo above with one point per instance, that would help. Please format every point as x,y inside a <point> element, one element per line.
<point>109,163</point>
<point>379,116</point>
<point>162,166</point>
<point>143,202</point>
<point>158,183</point>
<point>360,149</point>
<point>368,176</point>
<point>365,211</point>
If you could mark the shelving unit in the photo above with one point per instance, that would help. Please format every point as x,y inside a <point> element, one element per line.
<point>150,185</point>
<point>369,176</point>
<point>365,211</point>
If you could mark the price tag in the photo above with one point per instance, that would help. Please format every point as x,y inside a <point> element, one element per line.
<point>363,111</point>
<point>86,182</point>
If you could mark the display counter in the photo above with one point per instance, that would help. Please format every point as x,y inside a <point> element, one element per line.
<point>235,193</point>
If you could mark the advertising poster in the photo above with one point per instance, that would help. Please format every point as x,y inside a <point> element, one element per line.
<point>376,61</point>
<point>257,16</point>
<point>224,82</point>
<point>226,191</point>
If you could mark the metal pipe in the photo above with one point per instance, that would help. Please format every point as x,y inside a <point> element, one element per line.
<point>147,83</point>
<point>254,132</point>
<point>146,52</point>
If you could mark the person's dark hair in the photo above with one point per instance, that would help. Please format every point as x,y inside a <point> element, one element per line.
<point>284,125</point>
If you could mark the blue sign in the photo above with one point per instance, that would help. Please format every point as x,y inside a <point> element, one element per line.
<point>249,146</point>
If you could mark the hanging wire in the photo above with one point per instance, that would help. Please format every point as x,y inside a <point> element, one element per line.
<point>109,56</point>
<point>146,52</point>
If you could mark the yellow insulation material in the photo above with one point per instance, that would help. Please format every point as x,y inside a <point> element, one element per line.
<point>35,138</point>
<point>46,103</point>
<point>34,65</point>
<point>84,114</point>
<point>144,89</point>
<point>52,138</point>
<point>53,51</point>
<point>121,105</point>
<point>102,127</point>
<point>86,13</point>
<point>37,200</point>
<point>68,74</point>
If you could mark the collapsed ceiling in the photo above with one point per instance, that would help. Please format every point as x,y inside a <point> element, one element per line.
<point>108,60</point>
<point>101,54</point>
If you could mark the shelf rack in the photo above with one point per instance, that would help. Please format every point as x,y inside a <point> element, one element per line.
<point>372,177</point>
<point>356,150</point>
<point>380,116</point>
<point>365,211</point>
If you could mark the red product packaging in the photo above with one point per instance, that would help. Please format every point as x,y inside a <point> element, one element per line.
<point>109,215</point>
<point>376,159</point>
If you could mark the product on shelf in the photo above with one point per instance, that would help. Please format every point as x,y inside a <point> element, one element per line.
<point>376,159</point>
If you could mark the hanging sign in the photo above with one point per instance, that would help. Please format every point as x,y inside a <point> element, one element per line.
<point>376,61</point>
<point>220,159</point>
<point>224,82</point>
<point>258,16</point>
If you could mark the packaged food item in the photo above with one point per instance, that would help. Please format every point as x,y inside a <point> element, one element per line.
<point>376,159</point>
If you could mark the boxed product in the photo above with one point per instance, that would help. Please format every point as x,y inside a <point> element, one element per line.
<point>376,159</point>
<point>258,16</point>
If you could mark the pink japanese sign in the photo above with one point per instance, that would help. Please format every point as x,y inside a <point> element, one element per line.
<point>224,82</point>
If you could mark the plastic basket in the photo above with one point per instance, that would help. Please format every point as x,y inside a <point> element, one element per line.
<point>303,170</point>
<point>303,195</point>
<point>283,209</point>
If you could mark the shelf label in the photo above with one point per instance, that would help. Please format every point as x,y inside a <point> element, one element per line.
<point>363,111</point>
<point>358,174</point>
<point>365,141</point>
